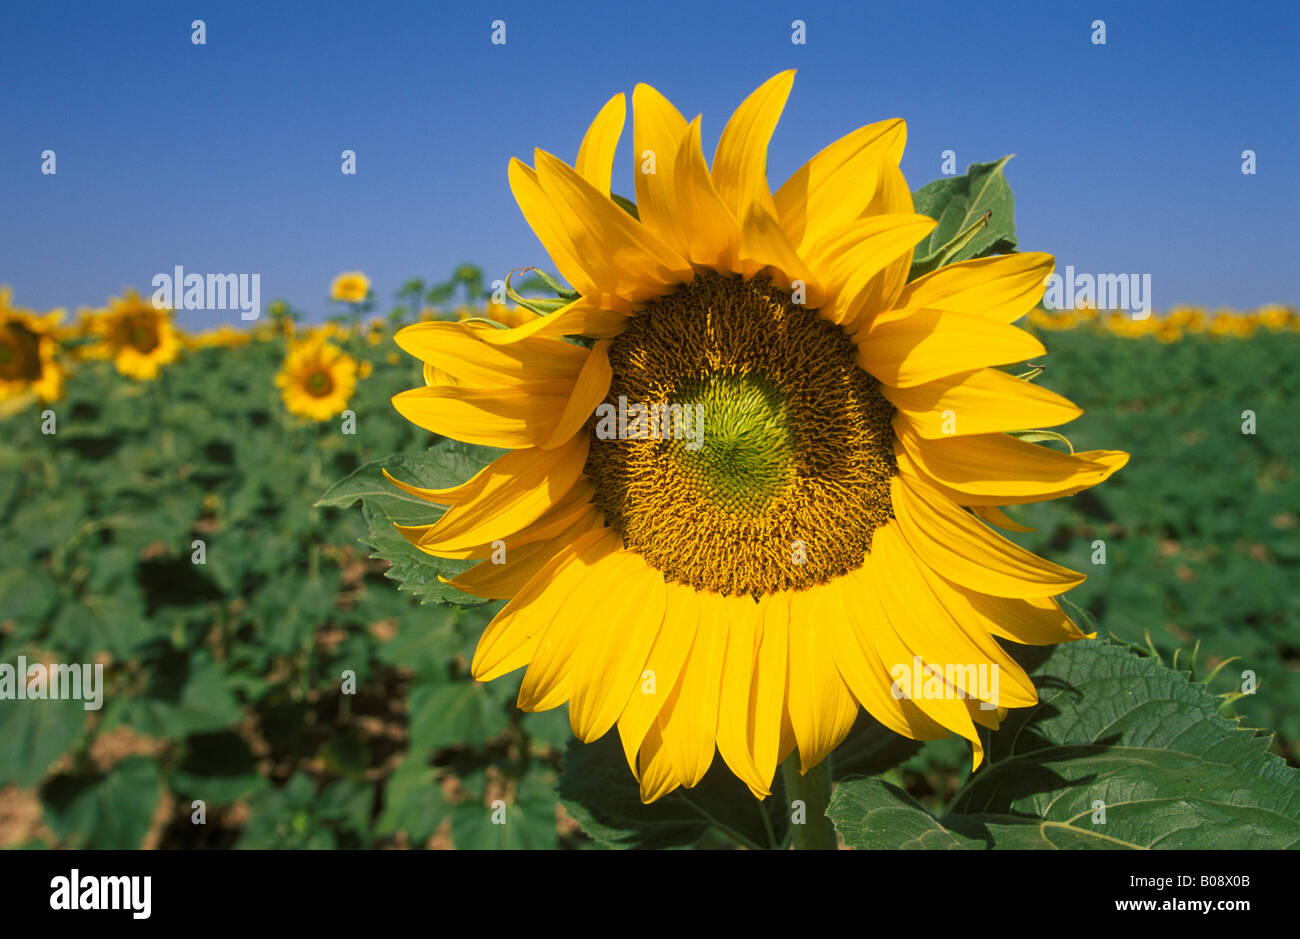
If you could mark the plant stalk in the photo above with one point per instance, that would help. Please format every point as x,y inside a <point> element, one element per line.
<point>814,790</point>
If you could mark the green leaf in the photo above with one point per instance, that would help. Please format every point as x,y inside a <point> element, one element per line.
<point>959,203</point>
<point>1120,752</point>
<point>411,568</point>
<point>526,823</point>
<point>543,306</point>
<point>1042,436</point>
<point>871,813</point>
<point>183,698</point>
<point>425,643</point>
<point>626,204</point>
<point>413,801</point>
<point>218,768</point>
<point>458,713</point>
<point>600,792</point>
<point>449,463</point>
<point>110,812</point>
<point>33,734</point>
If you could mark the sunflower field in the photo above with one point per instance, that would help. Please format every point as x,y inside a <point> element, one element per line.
<point>241,533</point>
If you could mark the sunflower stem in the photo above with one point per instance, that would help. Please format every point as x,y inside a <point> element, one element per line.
<point>810,829</point>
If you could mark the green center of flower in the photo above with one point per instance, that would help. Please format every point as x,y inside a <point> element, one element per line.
<point>319,384</point>
<point>752,454</point>
<point>142,335</point>
<point>742,447</point>
<point>20,358</point>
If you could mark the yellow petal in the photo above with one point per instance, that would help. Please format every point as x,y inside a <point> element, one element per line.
<point>528,483</point>
<point>996,469</point>
<point>768,691</point>
<point>738,673</point>
<point>558,659</point>
<point>588,391</point>
<point>658,130</point>
<point>763,247</point>
<point>573,505</point>
<point>981,402</point>
<point>595,161</point>
<point>617,650</point>
<point>943,624</point>
<point>513,635</point>
<point>462,492</point>
<point>963,549</point>
<point>662,669</point>
<point>821,708</point>
<point>851,260</point>
<point>1036,621</point>
<point>657,774</point>
<point>689,720</point>
<point>511,416</point>
<point>856,620</point>
<point>899,640</point>
<point>740,162</point>
<point>835,186</point>
<point>579,318</point>
<point>1002,288</point>
<point>931,344</point>
<point>893,197</point>
<point>624,257</point>
<point>711,231</point>
<point>462,353</point>
<point>546,223</point>
<point>501,581</point>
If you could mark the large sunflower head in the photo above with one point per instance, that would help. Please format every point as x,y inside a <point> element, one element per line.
<point>29,352</point>
<point>137,336</point>
<point>752,468</point>
<point>317,378</point>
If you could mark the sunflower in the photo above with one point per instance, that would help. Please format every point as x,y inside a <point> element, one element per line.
<point>137,336</point>
<point>350,287</point>
<point>224,336</point>
<point>317,379</point>
<point>28,352</point>
<point>748,588</point>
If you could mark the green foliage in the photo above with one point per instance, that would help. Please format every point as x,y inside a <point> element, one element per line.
<point>223,678</point>
<point>599,791</point>
<point>447,464</point>
<point>976,215</point>
<point>1120,752</point>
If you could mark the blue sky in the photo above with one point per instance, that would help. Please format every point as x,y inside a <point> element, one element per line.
<point>225,157</point>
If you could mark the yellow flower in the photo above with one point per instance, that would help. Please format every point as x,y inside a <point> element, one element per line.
<point>329,332</point>
<point>375,330</point>
<point>224,336</point>
<point>1274,317</point>
<point>137,336</point>
<point>317,379</point>
<point>350,287</point>
<point>29,352</point>
<point>802,523</point>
